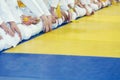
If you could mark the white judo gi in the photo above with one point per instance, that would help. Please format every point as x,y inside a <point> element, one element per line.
<point>7,16</point>
<point>2,41</point>
<point>94,6</point>
<point>26,31</point>
<point>87,5</point>
<point>99,3</point>
<point>80,11</point>
<point>54,4</point>
<point>106,3</point>
<point>63,6</point>
<point>72,4</point>
<point>43,4</point>
<point>40,6</point>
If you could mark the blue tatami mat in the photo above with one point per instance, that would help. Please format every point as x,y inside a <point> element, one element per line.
<point>56,67</point>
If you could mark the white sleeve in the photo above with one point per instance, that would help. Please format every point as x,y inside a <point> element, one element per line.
<point>83,2</point>
<point>71,2</point>
<point>13,6</point>
<point>64,5</point>
<point>53,3</point>
<point>88,1</point>
<point>43,7</point>
<point>1,21</point>
<point>34,7</point>
<point>6,13</point>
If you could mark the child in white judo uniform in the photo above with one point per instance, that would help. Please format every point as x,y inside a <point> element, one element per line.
<point>105,3</point>
<point>27,21</point>
<point>13,36</point>
<point>39,4</point>
<point>54,8</point>
<point>94,4</point>
<point>87,5</point>
<point>65,10</point>
<point>55,20</point>
<point>71,5</point>
<point>79,9</point>
<point>59,9</point>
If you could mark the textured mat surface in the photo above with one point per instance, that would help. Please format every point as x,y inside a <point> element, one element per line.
<point>56,67</point>
<point>96,35</point>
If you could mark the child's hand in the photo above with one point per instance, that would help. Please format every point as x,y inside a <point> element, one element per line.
<point>14,28</point>
<point>35,20</point>
<point>7,30</point>
<point>26,20</point>
<point>45,23</point>
<point>1,37</point>
<point>49,22</point>
<point>53,19</point>
<point>69,16</point>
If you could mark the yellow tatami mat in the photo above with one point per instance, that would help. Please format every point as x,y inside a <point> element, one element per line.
<point>97,35</point>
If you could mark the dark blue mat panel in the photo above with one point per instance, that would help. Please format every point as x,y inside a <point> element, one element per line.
<point>14,78</point>
<point>56,67</point>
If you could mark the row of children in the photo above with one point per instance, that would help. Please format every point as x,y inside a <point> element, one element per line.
<point>21,19</point>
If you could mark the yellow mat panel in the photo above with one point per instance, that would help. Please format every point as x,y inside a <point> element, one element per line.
<point>97,35</point>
